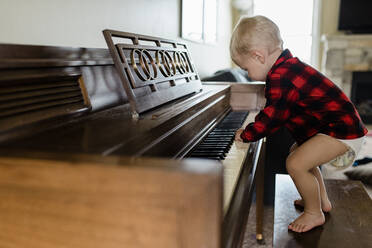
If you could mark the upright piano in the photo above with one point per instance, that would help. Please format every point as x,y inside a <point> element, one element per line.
<point>122,147</point>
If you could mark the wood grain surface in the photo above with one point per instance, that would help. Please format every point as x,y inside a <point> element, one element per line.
<point>114,202</point>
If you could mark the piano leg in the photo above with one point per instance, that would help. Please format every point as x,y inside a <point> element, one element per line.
<point>260,194</point>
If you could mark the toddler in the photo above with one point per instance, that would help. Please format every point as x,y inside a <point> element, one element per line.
<point>319,116</point>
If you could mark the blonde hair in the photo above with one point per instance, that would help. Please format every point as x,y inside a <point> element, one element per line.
<point>255,32</point>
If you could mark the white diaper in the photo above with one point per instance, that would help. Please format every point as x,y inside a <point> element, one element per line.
<point>347,159</point>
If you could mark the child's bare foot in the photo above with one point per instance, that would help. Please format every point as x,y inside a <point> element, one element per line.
<point>307,221</point>
<point>326,204</point>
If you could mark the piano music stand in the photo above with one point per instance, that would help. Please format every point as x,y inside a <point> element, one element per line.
<point>153,70</point>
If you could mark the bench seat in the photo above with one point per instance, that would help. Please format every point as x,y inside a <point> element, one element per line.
<point>349,224</point>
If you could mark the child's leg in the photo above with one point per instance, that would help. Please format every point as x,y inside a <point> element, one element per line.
<point>317,150</point>
<point>325,203</point>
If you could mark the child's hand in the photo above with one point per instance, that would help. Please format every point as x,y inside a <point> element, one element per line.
<point>238,133</point>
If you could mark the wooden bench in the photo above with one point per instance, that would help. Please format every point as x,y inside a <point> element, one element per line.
<point>349,224</point>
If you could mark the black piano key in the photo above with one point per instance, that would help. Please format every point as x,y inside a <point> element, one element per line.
<point>218,142</point>
<point>212,147</point>
<point>224,130</point>
<point>214,153</point>
<point>213,150</point>
<point>219,136</point>
<point>216,145</point>
<point>223,150</point>
<point>213,158</point>
<point>226,142</point>
<point>209,149</point>
<point>218,152</point>
<point>221,132</point>
<point>213,141</point>
<point>206,155</point>
<point>233,130</point>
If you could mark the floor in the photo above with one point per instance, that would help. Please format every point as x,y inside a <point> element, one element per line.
<point>250,232</point>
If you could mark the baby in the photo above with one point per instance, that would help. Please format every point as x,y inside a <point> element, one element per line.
<point>320,117</point>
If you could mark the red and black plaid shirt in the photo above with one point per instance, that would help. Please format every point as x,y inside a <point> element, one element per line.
<point>304,101</point>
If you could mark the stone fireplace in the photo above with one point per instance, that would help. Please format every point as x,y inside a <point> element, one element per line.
<point>347,61</point>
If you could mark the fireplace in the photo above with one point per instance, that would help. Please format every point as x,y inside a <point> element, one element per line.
<point>347,61</point>
<point>361,94</point>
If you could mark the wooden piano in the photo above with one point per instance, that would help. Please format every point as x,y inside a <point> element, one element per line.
<point>114,148</point>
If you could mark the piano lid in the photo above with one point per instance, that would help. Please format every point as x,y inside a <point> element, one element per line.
<point>153,70</point>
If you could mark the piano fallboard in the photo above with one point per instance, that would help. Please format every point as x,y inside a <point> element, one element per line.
<point>163,132</point>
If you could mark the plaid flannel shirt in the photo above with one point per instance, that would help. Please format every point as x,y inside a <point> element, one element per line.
<point>305,102</point>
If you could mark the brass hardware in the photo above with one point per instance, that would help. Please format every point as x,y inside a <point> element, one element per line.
<point>181,62</point>
<point>144,62</point>
<point>167,62</point>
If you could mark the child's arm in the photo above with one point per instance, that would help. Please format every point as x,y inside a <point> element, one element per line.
<point>280,96</point>
<point>238,133</point>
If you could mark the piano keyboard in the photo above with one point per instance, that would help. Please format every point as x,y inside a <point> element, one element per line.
<point>219,144</point>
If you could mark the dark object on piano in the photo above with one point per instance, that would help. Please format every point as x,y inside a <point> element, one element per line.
<point>229,75</point>
<point>108,129</point>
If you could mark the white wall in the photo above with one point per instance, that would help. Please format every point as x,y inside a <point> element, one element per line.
<point>79,23</point>
<point>328,22</point>
<point>329,19</point>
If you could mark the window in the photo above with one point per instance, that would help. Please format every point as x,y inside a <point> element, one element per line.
<point>199,20</point>
<point>295,21</point>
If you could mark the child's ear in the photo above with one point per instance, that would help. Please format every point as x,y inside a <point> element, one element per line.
<point>258,55</point>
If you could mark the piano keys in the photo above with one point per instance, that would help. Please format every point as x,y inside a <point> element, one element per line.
<point>220,145</point>
<point>126,112</point>
<point>218,142</point>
